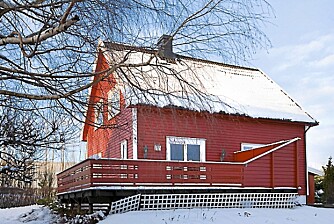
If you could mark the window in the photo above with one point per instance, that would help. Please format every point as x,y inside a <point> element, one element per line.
<point>249,146</point>
<point>96,156</point>
<point>185,149</point>
<point>113,103</point>
<point>193,152</point>
<point>99,113</point>
<point>124,149</point>
<point>176,152</point>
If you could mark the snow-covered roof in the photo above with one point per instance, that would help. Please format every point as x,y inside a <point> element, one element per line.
<point>315,171</point>
<point>201,85</point>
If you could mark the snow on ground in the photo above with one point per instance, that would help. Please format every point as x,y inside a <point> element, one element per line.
<point>34,214</point>
<point>304,215</point>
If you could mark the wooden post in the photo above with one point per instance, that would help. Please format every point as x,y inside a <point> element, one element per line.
<point>79,206</point>
<point>296,162</point>
<point>91,206</point>
<point>109,208</point>
<point>272,170</point>
<point>72,204</point>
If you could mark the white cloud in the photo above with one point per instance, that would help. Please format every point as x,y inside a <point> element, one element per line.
<point>326,61</point>
<point>318,52</point>
<point>319,145</point>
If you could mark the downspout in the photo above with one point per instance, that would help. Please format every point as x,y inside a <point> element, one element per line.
<point>307,127</point>
<point>307,180</point>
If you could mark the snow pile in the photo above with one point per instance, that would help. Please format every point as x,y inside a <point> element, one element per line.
<point>36,214</point>
<point>33,214</point>
<point>92,218</point>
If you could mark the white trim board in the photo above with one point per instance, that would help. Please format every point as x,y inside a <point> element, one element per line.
<point>134,134</point>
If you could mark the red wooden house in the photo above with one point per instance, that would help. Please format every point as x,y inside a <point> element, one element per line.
<point>230,129</point>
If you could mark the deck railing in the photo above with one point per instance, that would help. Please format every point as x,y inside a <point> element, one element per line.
<point>149,173</point>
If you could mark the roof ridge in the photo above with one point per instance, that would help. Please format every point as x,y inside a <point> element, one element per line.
<point>150,50</point>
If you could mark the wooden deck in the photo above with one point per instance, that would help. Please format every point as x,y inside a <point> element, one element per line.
<point>115,173</point>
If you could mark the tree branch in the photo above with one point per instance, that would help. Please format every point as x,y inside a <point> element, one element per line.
<point>40,37</point>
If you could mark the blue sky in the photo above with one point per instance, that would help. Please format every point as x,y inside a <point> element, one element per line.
<point>301,61</point>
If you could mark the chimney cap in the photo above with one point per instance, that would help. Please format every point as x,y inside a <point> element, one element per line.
<point>164,39</point>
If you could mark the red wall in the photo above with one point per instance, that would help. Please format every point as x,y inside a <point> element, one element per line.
<point>108,140</point>
<point>278,169</point>
<point>98,91</point>
<point>227,132</point>
<point>311,196</point>
<point>122,132</point>
<point>221,131</point>
<point>115,129</point>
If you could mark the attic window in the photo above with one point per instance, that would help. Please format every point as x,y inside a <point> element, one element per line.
<point>185,149</point>
<point>249,146</point>
<point>113,103</point>
<point>99,113</point>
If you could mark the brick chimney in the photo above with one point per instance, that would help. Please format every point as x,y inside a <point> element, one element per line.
<point>165,47</point>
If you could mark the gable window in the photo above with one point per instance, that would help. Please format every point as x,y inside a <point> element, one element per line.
<point>113,103</point>
<point>185,149</point>
<point>99,113</point>
<point>249,146</point>
<point>124,149</point>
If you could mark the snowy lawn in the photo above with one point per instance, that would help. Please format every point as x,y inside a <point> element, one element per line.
<point>304,215</point>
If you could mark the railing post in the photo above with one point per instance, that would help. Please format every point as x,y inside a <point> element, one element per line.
<point>91,208</point>
<point>90,176</point>
<point>79,206</point>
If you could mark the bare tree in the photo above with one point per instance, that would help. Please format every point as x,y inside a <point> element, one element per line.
<point>48,47</point>
<point>24,138</point>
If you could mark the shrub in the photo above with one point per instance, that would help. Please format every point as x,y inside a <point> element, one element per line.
<point>328,182</point>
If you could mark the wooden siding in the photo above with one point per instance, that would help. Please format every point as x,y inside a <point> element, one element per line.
<point>276,170</point>
<point>101,139</point>
<point>97,92</point>
<point>311,183</point>
<point>124,132</point>
<point>282,168</point>
<point>145,173</point>
<point>228,132</point>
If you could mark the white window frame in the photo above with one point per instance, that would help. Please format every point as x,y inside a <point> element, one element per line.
<point>114,103</point>
<point>252,145</point>
<point>124,149</point>
<point>186,141</point>
<point>98,112</point>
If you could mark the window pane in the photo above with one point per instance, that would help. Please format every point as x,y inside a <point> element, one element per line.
<point>245,148</point>
<point>176,152</point>
<point>99,113</point>
<point>113,103</point>
<point>193,152</point>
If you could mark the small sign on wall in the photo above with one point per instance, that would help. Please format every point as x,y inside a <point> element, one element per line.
<point>157,147</point>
